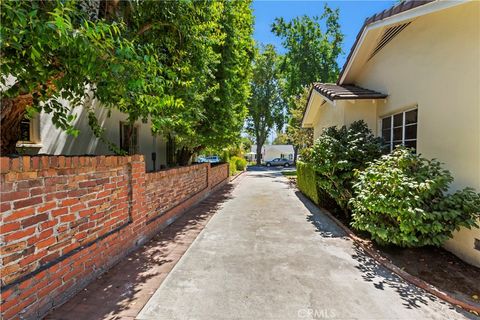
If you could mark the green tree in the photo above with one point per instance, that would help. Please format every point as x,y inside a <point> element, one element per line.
<point>266,107</point>
<point>281,138</point>
<point>49,50</point>
<point>299,137</point>
<point>311,56</point>
<point>221,114</point>
<point>185,65</point>
<point>182,38</point>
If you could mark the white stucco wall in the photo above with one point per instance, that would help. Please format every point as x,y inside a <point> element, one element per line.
<point>55,141</point>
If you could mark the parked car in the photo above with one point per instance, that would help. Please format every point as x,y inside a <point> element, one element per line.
<point>201,160</point>
<point>279,162</point>
<point>213,159</point>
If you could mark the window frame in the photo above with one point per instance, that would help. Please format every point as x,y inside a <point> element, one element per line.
<point>135,135</point>
<point>392,127</point>
<point>33,134</point>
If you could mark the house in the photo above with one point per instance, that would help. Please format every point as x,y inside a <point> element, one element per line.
<point>270,152</point>
<point>413,75</point>
<point>40,136</point>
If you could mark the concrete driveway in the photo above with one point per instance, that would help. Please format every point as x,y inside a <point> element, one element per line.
<point>269,254</point>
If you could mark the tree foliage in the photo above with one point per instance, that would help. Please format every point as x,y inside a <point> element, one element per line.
<point>185,65</point>
<point>311,56</point>
<point>401,199</point>
<point>281,138</point>
<point>311,53</point>
<point>266,107</point>
<point>300,138</point>
<point>50,51</point>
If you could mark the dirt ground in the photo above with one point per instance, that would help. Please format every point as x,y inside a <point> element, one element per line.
<point>439,268</point>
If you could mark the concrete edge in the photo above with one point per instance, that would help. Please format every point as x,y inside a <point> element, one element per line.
<point>237,175</point>
<point>366,245</point>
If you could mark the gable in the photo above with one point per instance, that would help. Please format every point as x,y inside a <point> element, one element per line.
<point>381,28</point>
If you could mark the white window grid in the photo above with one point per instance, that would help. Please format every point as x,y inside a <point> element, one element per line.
<point>403,126</point>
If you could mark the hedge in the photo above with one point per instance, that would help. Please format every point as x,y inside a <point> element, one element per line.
<point>237,164</point>
<point>306,181</point>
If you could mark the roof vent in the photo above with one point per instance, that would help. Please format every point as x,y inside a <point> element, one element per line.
<point>388,35</point>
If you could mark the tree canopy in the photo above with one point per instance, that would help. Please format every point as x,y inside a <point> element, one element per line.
<point>312,53</point>
<point>266,107</point>
<point>185,65</point>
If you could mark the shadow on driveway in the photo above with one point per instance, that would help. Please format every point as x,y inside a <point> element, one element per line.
<point>123,290</point>
<point>371,271</point>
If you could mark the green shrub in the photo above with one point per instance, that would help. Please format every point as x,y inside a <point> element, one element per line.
<point>237,164</point>
<point>400,199</point>
<point>337,153</point>
<point>232,167</point>
<point>225,156</point>
<point>241,164</point>
<point>306,180</point>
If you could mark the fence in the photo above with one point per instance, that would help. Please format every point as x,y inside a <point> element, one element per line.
<point>65,220</point>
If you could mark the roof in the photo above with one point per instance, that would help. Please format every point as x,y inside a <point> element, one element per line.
<point>346,92</point>
<point>399,8</point>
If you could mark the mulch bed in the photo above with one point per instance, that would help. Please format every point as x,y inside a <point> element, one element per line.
<point>438,267</point>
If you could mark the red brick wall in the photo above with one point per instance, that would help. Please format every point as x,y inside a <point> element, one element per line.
<point>218,174</point>
<point>64,220</point>
<point>167,189</point>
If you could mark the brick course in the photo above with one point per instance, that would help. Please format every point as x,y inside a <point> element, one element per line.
<point>65,220</point>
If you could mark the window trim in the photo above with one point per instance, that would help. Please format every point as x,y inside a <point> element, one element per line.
<point>404,125</point>
<point>136,147</point>
<point>34,134</point>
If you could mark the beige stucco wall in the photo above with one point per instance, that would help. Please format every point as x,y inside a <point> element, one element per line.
<point>365,110</point>
<point>327,115</point>
<point>435,63</point>
<point>55,141</point>
<point>344,113</point>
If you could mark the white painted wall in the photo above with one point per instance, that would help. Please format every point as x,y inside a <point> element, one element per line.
<point>270,152</point>
<point>51,140</point>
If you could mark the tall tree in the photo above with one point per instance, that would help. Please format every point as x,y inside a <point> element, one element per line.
<point>221,114</point>
<point>311,56</point>
<point>183,64</point>
<point>281,138</point>
<point>49,50</point>
<point>266,107</point>
<point>299,137</point>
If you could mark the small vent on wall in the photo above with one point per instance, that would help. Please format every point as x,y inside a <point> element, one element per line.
<point>388,35</point>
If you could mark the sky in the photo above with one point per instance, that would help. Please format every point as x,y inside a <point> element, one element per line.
<point>352,16</point>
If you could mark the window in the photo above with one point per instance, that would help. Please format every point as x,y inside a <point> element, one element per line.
<point>125,128</point>
<point>25,131</point>
<point>400,129</point>
<point>29,133</point>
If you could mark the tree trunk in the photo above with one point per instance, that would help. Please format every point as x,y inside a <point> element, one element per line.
<point>295,155</point>
<point>259,154</point>
<point>183,156</point>
<point>12,114</point>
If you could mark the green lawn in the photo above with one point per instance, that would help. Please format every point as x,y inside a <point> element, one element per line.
<point>290,173</point>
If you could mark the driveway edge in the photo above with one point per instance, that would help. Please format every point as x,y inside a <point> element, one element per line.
<point>366,245</point>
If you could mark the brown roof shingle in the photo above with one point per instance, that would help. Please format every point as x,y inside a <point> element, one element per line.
<point>346,92</point>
